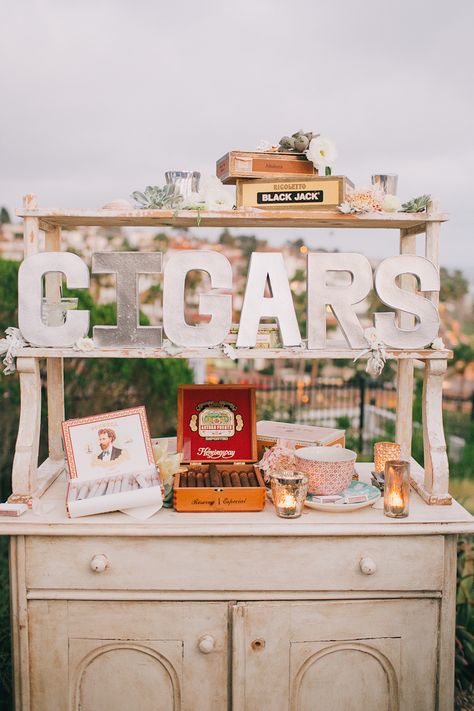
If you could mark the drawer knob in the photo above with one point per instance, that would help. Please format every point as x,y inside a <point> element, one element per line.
<point>206,644</point>
<point>99,563</point>
<point>368,566</point>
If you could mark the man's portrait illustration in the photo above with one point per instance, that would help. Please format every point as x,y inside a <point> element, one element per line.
<point>108,451</point>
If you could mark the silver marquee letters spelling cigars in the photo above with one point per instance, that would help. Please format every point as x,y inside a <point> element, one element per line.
<point>267,271</point>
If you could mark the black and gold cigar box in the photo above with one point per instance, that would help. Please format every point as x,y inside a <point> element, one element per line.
<point>315,193</point>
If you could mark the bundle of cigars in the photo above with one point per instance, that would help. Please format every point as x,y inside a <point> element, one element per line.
<point>219,487</point>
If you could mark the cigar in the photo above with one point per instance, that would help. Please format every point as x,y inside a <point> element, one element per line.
<point>192,479</point>
<point>83,491</point>
<point>226,479</point>
<point>118,485</point>
<point>72,493</point>
<point>235,479</point>
<point>244,480</point>
<point>216,479</point>
<point>207,479</point>
<point>102,487</point>
<point>110,486</point>
<point>94,489</point>
<point>199,479</point>
<point>143,481</point>
<point>253,481</point>
<point>183,479</point>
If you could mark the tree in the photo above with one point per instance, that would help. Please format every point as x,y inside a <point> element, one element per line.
<point>454,285</point>
<point>4,216</point>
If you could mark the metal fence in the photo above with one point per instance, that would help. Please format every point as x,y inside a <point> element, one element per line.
<point>364,408</point>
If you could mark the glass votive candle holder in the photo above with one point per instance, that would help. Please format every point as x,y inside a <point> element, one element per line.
<point>397,488</point>
<point>383,451</point>
<point>289,491</point>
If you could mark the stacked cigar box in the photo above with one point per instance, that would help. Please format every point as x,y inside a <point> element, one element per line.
<point>280,180</point>
<point>295,436</point>
<point>217,436</point>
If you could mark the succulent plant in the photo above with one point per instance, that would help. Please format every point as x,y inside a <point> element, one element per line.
<point>156,198</point>
<point>297,142</point>
<point>418,204</point>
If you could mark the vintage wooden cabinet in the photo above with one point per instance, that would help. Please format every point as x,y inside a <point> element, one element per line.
<point>235,610</point>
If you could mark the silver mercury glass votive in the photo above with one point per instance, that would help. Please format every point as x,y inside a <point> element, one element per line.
<point>289,493</point>
<point>185,182</point>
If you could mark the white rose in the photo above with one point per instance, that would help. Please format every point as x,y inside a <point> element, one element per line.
<point>321,152</point>
<point>391,203</point>
<point>438,344</point>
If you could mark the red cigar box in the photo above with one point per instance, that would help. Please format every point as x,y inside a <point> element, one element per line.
<point>217,435</point>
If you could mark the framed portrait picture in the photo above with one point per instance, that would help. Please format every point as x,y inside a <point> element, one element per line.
<point>217,423</point>
<point>112,443</point>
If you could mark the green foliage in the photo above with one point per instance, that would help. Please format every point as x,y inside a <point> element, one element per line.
<point>454,285</point>
<point>418,204</point>
<point>4,216</point>
<point>156,198</point>
<point>8,293</point>
<point>6,692</point>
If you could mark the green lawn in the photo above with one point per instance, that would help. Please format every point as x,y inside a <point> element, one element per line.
<point>463,491</point>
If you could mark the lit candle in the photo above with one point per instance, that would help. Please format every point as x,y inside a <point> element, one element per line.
<point>397,488</point>
<point>289,492</point>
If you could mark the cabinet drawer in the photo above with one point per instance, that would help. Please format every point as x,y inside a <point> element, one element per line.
<point>244,563</point>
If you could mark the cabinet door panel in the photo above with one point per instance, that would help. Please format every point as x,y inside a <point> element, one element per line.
<point>110,676</point>
<point>377,655</point>
<point>94,656</point>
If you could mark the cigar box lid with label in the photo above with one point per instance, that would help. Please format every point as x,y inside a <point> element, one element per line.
<point>217,436</point>
<point>255,164</point>
<point>316,193</point>
<point>269,433</point>
<point>110,463</point>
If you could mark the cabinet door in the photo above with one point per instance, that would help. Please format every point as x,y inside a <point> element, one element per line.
<point>118,656</point>
<point>335,656</point>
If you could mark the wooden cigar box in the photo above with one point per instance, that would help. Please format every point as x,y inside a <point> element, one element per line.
<point>313,193</point>
<point>217,435</point>
<point>248,164</point>
<point>270,433</point>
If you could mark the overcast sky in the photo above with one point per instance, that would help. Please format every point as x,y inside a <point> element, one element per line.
<point>100,97</point>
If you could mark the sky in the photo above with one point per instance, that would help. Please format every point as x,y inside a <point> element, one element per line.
<point>101,97</point>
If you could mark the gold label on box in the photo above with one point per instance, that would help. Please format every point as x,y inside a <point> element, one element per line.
<point>289,196</point>
<point>216,423</point>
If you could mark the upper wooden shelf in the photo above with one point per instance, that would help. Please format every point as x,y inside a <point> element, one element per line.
<point>330,353</point>
<point>50,218</point>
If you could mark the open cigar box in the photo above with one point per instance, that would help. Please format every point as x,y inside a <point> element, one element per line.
<point>217,435</point>
<point>110,464</point>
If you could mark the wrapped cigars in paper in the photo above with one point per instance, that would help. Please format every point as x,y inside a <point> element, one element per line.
<point>111,465</point>
<point>114,493</point>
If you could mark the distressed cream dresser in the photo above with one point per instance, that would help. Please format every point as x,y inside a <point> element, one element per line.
<point>206,612</point>
<point>211,612</point>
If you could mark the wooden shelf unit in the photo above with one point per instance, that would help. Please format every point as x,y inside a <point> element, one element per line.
<point>435,486</point>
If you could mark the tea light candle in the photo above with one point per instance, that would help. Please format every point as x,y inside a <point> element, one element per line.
<point>383,451</point>
<point>288,493</point>
<point>397,488</point>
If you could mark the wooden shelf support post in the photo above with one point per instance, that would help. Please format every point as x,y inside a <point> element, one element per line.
<point>436,482</point>
<point>54,366</point>
<point>404,416</point>
<point>25,462</point>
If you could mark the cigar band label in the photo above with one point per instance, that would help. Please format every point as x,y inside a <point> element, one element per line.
<point>216,423</point>
<point>290,197</point>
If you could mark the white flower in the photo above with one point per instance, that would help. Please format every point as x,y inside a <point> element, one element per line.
<point>215,195</point>
<point>391,203</point>
<point>345,208</point>
<point>438,344</point>
<point>322,152</point>
<point>84,344</point>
